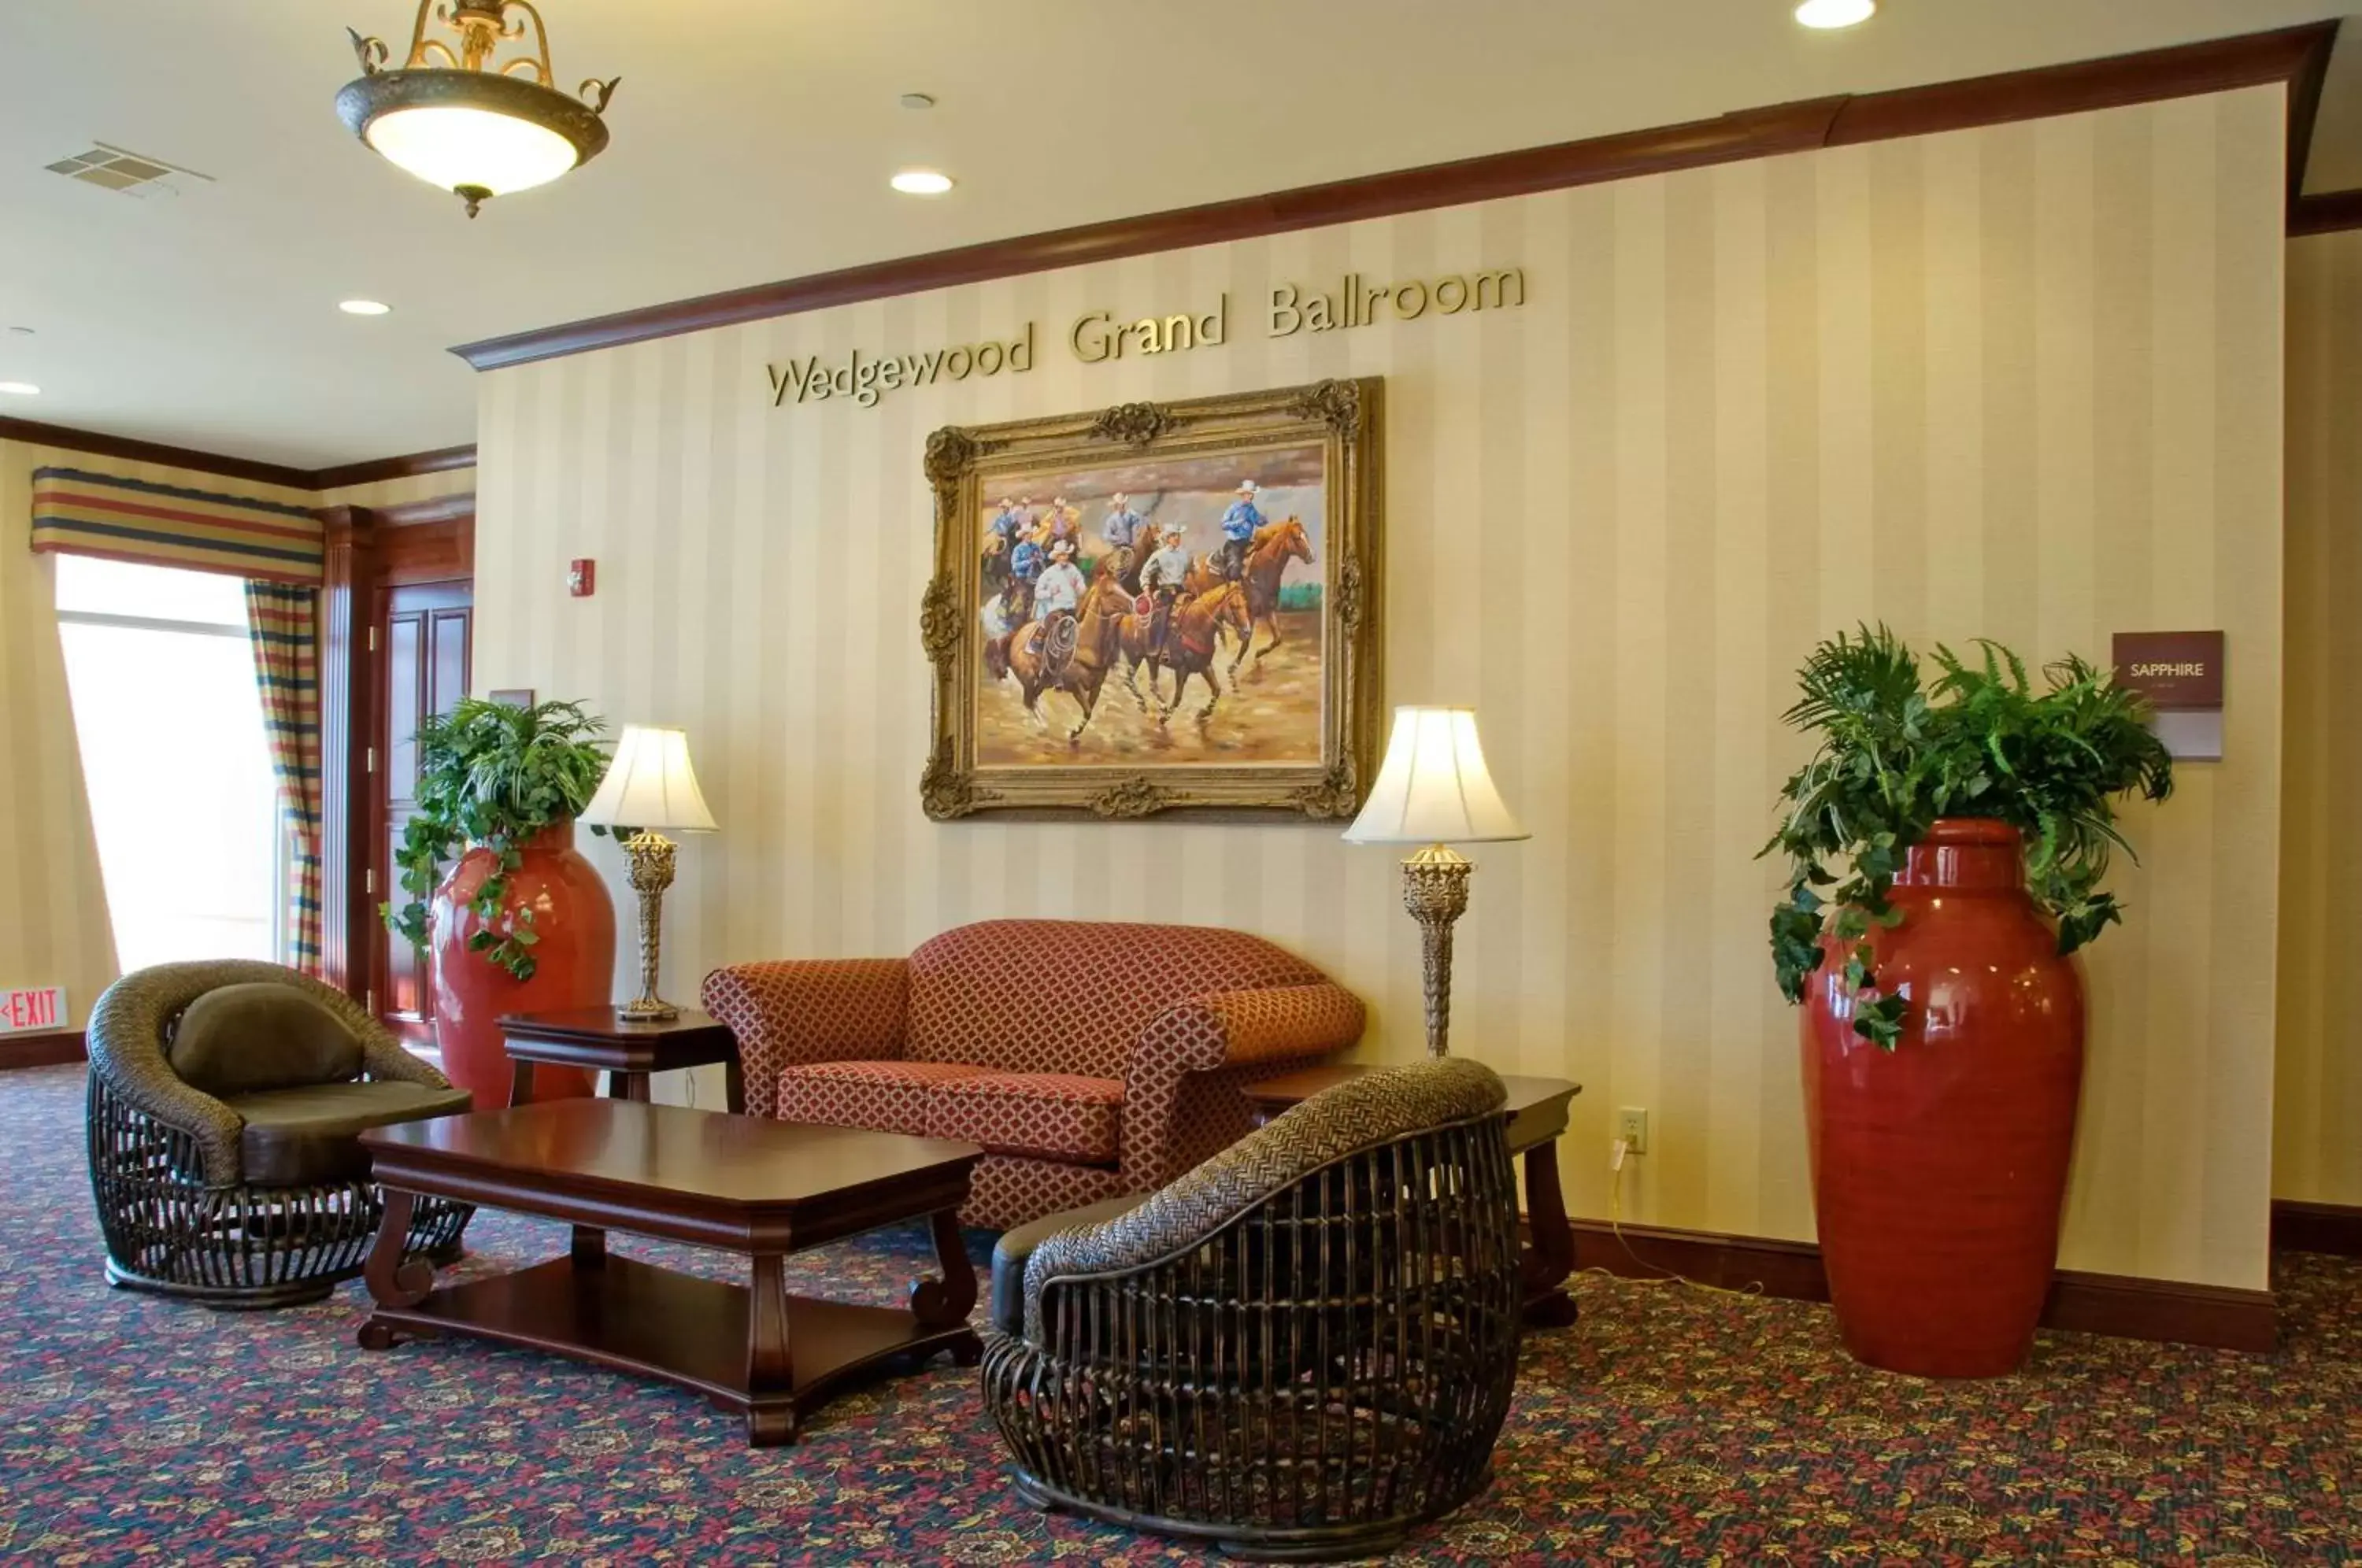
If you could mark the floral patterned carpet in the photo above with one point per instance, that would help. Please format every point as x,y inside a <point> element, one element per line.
<point>1669,1427</point>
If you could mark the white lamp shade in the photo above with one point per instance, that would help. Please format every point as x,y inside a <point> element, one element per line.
<point>1433,787</point>
<point>650,784</point>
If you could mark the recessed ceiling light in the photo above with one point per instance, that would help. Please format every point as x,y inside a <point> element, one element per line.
<point>918,100</point>
<point>22,331</point>
<point>362,307</point>
<point>22,388</point>
<point>921,182</point>
<point>1836,13</point>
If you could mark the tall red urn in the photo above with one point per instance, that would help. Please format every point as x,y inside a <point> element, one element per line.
<point>1940,1168</point>
<point>574,962</point>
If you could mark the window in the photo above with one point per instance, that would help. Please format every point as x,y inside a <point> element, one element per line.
<point>183,795</point>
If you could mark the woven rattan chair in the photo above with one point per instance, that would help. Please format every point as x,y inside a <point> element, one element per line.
<point>260,1196</point>
<point>1298,1350</point>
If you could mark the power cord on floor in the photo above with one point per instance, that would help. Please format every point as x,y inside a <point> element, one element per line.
<point>1657,1275</point>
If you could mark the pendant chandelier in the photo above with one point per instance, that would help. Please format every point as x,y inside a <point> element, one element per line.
<point>465,120</point>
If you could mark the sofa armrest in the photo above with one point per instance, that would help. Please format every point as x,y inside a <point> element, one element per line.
<point>1169,1126</point>
<point>807,1010</point>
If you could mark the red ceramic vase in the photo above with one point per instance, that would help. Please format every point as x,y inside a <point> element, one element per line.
<point>574,963</point>
<point>1940,1168</point>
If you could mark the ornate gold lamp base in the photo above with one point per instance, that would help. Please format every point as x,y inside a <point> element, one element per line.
<point>1435,892</point>
<point>651,854</point>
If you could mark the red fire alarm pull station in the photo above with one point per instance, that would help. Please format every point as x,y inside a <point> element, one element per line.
<point>582,577</point>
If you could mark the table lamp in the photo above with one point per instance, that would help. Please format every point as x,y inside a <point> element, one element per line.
<point>649,786</point>
<point>1432,790</point>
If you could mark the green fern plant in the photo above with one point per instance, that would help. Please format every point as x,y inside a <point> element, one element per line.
<point>1895,754</point>
<point>493,775</point>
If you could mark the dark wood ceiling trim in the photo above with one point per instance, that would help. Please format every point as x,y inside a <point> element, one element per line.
<point>443,459</point>
<point>2326,212</point>
<point>2221,64</point>
<point>2304,106</point>
<point>93,443</point>
<point>131,451</point>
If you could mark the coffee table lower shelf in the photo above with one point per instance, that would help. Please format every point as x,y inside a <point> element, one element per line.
<point>683,1328</point>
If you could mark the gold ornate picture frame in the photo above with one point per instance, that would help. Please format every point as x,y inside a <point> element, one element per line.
<point>1159,608</point>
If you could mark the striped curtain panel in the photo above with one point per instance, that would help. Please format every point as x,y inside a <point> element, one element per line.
<point>79,513</point>
<point>281,624</point>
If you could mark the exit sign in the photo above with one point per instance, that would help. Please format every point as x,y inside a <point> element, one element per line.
<point>32,1007</point>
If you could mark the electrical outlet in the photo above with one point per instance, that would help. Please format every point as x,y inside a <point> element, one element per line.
<point>1632,1128</point>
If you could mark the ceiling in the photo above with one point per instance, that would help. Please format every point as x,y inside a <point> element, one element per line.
<point>753,139</point>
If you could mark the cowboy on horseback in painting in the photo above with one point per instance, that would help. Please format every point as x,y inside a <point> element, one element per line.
<point>1025,565</point>
<point>1122,531</point>
<point>1056,597</point>
<point>1239,525</point>
<point>1161,579</point>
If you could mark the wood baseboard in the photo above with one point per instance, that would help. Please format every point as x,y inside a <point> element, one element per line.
<point>2170,1310</point>
<point>43,1050</point>
<point>2334,1228</point>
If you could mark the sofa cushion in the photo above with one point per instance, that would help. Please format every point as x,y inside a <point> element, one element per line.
<point>248,1038</point>
<point>1051,996</point>
<point>879,1097</point>
<point>1057,1116</point>
<point>302,1137</point>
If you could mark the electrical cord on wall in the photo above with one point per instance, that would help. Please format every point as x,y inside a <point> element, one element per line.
<point>1615,1226</point>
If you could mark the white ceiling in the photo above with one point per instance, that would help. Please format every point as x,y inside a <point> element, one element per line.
<point>752,142</point>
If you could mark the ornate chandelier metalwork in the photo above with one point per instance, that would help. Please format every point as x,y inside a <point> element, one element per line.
<point>464,119</point>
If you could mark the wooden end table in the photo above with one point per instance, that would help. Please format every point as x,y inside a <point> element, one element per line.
<point>1537,1111</point>
<point>600,1038</point>
<point>739,1184</point>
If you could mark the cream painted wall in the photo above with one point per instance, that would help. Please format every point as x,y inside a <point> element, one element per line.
<point>2317,1128</point>
<point>2022,382</point>
<point>53,925</point>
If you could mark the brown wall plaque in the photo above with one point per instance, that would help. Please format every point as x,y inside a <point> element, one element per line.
<point>2176,671</point>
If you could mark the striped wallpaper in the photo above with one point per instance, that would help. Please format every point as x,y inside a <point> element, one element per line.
<point>2317,1130</point>
<point>2022,382</point>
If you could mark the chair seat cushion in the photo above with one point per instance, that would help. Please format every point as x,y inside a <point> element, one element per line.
<point>246,1038</point>
<point>877,1096</point>
<point>1015,1249</point>
<point>302,1137</point>
<point>1057,1116</point>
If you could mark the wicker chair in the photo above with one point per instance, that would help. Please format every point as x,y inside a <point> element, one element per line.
<point>248,1199</point>
<point>1297,1351</point>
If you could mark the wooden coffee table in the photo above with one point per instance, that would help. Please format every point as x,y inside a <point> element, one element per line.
<point>1537,1110</point>
<point>737,1184</point>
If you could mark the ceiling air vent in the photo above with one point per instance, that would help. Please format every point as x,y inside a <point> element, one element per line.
<point>133,173</point>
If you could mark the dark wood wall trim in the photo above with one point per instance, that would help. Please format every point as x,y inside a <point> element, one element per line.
<point>439,509</point>
<point>2286,55</point>
<point>2329,212</point>
<point>96,445</point>
<point>443,459</point>
<point>348,718</point>
<point>43,1050</point>
<point>2317,1227</point>
<point>2164,1310</point>
<point>131,451</point>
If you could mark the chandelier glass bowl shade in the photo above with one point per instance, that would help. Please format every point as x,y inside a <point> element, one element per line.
<point>466,120</point>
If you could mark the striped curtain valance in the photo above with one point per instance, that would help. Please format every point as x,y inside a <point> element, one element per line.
<point>79,513</point>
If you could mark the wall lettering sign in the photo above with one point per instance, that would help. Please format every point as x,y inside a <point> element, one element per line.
<point>1097,336</point>
<point>2180,674</point>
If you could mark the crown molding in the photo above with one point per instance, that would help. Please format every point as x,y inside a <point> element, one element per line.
<point>443,459</point>
<point>2290,55</point>
<point>97,444</point>
<point>2330,212</point>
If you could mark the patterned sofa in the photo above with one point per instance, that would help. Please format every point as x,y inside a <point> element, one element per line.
<point>1089,1059</point>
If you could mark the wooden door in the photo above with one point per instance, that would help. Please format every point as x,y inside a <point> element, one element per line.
<point>424,629</point>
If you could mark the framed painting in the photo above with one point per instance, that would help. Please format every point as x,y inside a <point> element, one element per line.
<point>1158,608</point>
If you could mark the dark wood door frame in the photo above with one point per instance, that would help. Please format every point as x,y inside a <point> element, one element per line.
<point>369,551</point>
